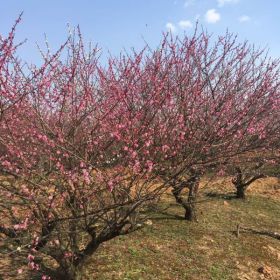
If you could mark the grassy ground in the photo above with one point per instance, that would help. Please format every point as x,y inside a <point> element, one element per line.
<point>171,248</point>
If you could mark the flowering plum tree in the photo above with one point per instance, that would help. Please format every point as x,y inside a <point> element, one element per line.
<point>223,100</point>
<point>10,71</point>
<point>73,174</point>
<point>214,101</point>
<point>84,148</point>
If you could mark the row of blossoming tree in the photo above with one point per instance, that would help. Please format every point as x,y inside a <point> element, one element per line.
<point>85,148</point>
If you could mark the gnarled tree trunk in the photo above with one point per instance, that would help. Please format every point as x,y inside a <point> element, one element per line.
<point>192,184</point>
<point>240,191</point>
<point>241,183</point>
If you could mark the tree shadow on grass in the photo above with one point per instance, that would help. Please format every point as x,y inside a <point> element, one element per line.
<point>164,215</point>
<point>224,196</point>
<point>168,216</point>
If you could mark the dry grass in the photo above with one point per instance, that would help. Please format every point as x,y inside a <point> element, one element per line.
<point>172,248</point>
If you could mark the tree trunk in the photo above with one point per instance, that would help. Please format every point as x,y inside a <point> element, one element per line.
<point>192,185</point>
<point>241,183</point>
<point>190,212</point>
<point>238,183</point>
<point>73,273</point>
<point>240,192</point>
<point>190,207</point>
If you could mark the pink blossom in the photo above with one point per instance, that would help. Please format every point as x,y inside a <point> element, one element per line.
<point>30,257</point>
<point>111,185</point>
<point>150,165</point>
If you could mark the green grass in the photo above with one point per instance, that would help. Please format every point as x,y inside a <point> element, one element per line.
<point>176,249</point>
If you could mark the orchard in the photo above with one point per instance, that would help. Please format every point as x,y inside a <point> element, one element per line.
<point>87,149</point>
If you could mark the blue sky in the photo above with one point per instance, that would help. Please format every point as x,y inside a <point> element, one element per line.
<point>118,24</point>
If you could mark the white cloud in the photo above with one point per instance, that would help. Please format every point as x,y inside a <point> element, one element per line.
<point>221,3</point>
<point>189,3</point>
<point>244,18</point>
<point>170,27</point>
<point>212,16</point>
<point>185,24</point>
